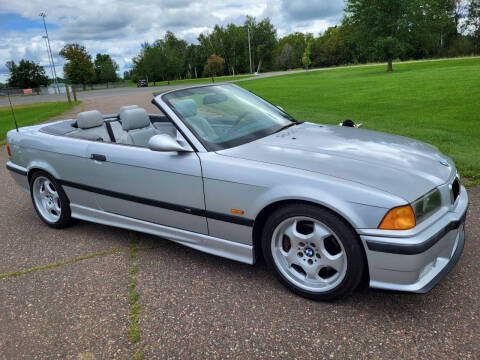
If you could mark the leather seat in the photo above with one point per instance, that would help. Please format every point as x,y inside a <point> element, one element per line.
<point>91,127</point>
<point>188,109</point>
<point>137,128</point>
<point>117,126</point>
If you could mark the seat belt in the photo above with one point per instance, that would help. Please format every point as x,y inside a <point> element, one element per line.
<point>110,131</point>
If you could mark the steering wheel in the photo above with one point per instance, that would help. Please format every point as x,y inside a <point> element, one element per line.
<point>237,121</point>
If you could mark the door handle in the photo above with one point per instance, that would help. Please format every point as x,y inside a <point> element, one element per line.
<point>98,157</point>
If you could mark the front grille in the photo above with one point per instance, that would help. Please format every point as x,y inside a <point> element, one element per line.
<point>455,190</point>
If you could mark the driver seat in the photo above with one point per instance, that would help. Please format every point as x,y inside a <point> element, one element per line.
<point>188,109</point>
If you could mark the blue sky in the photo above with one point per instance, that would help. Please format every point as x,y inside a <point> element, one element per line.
<point>119,27</point>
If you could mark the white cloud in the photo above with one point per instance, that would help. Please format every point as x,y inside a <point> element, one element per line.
<point>119,27</point>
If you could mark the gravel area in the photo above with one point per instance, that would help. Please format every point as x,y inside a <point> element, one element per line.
<point>199,306</point>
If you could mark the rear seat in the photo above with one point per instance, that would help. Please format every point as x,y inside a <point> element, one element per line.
<point>90,127</point>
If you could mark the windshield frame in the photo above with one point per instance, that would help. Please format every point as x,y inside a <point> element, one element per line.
<point>210,146</point>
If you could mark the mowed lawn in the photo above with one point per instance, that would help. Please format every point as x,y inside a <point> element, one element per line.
<point>30,114</point>
<point>437,102</point>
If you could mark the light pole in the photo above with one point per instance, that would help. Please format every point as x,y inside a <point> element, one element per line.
<point>49,58</point>
<point>43,14</point>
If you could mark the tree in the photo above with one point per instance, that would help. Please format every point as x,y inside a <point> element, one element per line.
<point>26,74</point>
<point>473,23</point>
<point>263,37</point>
<point>285,59</point>
<point>306,58</point>
<point>105,69</point>
<point>79,68</point>
<point>214,65</point>
<point>382,25</point>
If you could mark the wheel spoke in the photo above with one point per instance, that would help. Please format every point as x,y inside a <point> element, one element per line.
<point>57,207</point>
<point>312,271</point>
<point>320,233</point>
<point>327,259</point>
<point>292,258</point>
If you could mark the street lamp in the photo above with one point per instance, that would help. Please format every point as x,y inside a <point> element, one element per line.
<point>43,14</point>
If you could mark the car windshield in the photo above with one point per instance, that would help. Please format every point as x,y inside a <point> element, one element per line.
<point>223,116</point>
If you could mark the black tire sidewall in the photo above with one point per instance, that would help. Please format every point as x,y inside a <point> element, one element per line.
<point>345,233</point>
<point>65,216</point>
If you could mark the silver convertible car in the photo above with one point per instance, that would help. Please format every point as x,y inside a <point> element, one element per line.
<point>223,171</point>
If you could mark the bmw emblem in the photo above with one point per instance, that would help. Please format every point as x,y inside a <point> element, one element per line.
<point>50,198</point>
<point>443,162</point>
<point>309,252</point>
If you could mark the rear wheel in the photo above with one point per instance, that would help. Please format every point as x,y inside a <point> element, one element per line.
<point>49,200</point>
<point>313,251</point>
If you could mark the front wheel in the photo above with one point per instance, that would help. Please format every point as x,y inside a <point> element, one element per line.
<point>313,251</point>
<point>50,201</point>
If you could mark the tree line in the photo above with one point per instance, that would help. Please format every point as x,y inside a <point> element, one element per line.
<point>371,31</point>
<point>78,69</point>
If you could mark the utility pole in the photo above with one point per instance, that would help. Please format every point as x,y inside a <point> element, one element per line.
<point>249,50</point>
<point>43,14</point>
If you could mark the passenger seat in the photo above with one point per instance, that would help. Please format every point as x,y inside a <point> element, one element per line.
<point>117,125</point>
<point>90,127</point>
<point>137,127</point>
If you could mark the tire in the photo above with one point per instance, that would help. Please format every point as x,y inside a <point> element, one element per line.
<point>313,251</point>
<point>49,200</point>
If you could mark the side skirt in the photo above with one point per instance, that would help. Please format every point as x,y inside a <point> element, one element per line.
<point>211,245</point>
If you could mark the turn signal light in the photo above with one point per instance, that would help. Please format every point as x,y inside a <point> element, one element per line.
<point>399,218</point>
<point>8,150</point>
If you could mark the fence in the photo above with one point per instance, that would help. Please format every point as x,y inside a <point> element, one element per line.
<point>52,89</point>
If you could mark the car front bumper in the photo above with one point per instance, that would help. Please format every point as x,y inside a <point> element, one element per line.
<point>418,262</point>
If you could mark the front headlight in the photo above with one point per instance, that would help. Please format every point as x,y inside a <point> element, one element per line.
<point>427,205</point>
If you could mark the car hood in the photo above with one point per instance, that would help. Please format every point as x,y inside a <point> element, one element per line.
<point>394,164</point>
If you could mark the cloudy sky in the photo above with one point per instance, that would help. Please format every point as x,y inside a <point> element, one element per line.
<point>118,27</point>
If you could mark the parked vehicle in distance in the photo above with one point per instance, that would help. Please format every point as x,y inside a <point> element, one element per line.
<point>142,83</point>
<point>225,172</point>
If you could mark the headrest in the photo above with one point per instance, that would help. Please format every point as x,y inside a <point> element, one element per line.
<point>89,119</point>
<point>135,119</point>
<point>125,108</point>
<point>187,107</point>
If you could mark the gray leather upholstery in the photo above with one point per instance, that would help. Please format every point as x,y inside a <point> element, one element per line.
<point>188,109</point>
<point>137,127</point>
<point>125,108</point>
<point>135,119</point>
<point>89,119</point>
<point>90,127</point>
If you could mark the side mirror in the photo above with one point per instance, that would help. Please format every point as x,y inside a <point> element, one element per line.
<point>165,142</point>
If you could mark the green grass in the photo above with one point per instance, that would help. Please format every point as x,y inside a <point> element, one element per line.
<point>437,102</point>
<point>30,114</point>
<point>196,81</point>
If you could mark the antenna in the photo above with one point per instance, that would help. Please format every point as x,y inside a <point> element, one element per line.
<point>11,108</point>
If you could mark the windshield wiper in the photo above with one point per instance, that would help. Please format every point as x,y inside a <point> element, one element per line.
<point>287,126</point>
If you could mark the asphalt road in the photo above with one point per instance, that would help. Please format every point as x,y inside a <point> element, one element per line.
<point>199,306</point>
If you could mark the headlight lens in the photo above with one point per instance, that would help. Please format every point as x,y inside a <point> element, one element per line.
<point>427,205</point>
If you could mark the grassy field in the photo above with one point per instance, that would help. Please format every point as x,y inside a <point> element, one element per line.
<point>437,102</point>
<point>196,81</point>
<point>30,114</point>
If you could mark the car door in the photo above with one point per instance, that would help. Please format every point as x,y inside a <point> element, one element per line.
<point>160,187</point>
